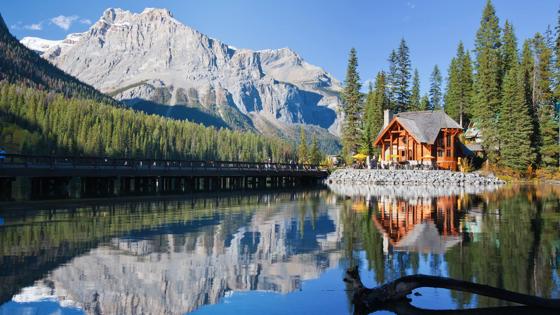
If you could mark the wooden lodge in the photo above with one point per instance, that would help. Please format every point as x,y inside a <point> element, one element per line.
<point>420,138</point>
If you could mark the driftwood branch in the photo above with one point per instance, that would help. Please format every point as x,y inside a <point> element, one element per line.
<point>393,294</point>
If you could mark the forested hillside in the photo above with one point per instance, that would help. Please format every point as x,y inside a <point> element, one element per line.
<point>39,122</point>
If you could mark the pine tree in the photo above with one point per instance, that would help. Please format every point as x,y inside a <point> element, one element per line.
<point>392,80</point>
<point>527,68</point>
<point>403,77</point>
<point>435,89</point>
<point>451,90</point>
<point>381,101</point>
<point>509,51</point>
<point>458,95</point>
<point>366,145</point>
<point>467,90</point>
<point>376,103</point>
<point>415,95</point>
<point>557,63</point>
<point>488,79</point>
<point>352,98</point>
<point>425,103</point>
<point>550,149</point>
<point>543,101</point>
<point>542,87</point>
<point>514,123</point>
<point>314,153</point>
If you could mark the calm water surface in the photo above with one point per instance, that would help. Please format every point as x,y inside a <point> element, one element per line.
<point>274,253</point>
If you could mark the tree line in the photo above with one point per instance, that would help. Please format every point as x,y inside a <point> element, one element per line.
<point>511,95</point>
<point>39,122</point>
<point>308,154</point>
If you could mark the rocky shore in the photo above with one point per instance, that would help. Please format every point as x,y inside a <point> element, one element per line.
<point>436,178</point>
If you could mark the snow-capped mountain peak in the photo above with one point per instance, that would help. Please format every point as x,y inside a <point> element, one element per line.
<point>38,44</point>
<point>153,62</point>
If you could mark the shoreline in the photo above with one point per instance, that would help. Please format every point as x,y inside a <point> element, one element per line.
<point>438,178</point>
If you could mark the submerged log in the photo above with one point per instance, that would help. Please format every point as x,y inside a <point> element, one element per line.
<point>390,294</point>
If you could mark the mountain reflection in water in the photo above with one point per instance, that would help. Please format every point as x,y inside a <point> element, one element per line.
<point>174,256</point>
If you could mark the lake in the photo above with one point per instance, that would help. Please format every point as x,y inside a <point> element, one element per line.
<point>274,252</point>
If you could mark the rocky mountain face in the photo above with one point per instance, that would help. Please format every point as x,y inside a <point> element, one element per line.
<point>154,63</point>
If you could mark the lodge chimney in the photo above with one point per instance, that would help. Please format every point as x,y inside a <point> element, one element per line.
<point>387,117</point>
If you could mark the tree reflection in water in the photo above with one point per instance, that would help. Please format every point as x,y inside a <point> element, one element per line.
<point>508,238</point>
<point>176,255</point>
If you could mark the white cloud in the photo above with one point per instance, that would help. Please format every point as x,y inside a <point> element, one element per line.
<point>34,26</point>
<point>64,22</point>
<point>85,21</point>
<point>410,5</point>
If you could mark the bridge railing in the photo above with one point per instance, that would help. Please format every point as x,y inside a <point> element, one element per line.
<point>31,161</point>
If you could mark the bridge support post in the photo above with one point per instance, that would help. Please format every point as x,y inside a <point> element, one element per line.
<point>6,188</point>
<point>206,183</point>
<point>190,184</point>
<point>21,188</point>
<point>216,183</point>
<point>75,187</point>
<point>117,186</point>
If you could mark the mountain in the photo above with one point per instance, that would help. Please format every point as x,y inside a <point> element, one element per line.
<point>20,65</point>
<point>154,63</point>
<point>45,111</point>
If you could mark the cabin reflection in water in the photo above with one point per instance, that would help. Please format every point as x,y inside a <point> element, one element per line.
<point>422,224</point>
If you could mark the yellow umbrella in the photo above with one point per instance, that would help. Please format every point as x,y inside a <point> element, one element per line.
<point>359,156</point>
<point>359,206</point>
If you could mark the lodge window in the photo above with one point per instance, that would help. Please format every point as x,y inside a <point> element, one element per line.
<point>448,140</point>
<point>440,153</point>
<point>440,141</point>
<point>448,153</point>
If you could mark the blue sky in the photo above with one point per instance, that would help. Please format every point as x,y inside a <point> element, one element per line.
<point>322,31</point>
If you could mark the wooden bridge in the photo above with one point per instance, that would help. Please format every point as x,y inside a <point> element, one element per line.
<point>43,177</point>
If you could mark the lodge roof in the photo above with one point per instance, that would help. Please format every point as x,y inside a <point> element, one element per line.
<point>425,125</point>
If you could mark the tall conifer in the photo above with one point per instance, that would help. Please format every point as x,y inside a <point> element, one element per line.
<point>403,77</point>
<point>415,95</point>
<point>352,100</point>
<point>425,103</point>
<point>376,103</point>
<point>509,48</point>
<point>435,89</point>
<point>302,152</point>
<point>392,79</point>
<point>514,123</point>
<point>314,152</point>
<point>488,78</point>
<point>458,95</point>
